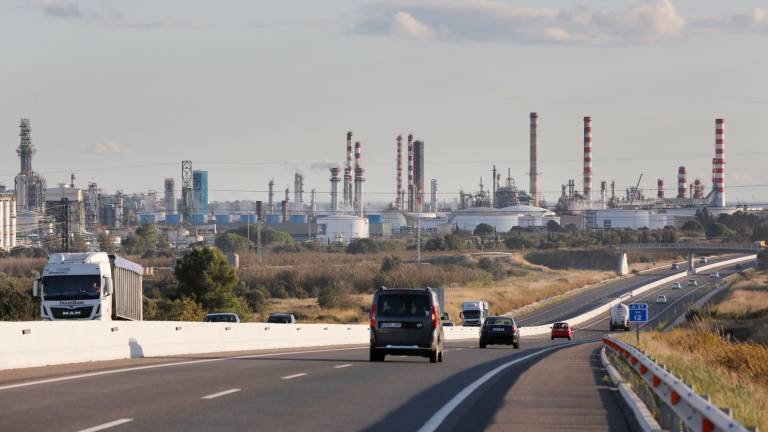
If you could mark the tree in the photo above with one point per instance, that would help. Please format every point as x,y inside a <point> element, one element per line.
<point>185,309</point>
<point>693,226</point>
<point>390,263</point>
<point>362,246</point>
<point>760,231</point>
<point>716,230</point>
<point>16,303</point>
<point>762,260</point>
<point>230,242</point>
<point>106,244</point>
<point>205,276</point>
<point>553,226</point>
<point>435,244</point>
<point>518,242</point>
<point>484,230</point>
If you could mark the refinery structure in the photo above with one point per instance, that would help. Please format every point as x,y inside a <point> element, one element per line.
<point>33,213</point>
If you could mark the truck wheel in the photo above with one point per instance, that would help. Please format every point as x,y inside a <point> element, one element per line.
<point>482,344</point>
<point>440,354</point>
<point>516,345</point>
<point>433,356</point>
<point>375,356</point>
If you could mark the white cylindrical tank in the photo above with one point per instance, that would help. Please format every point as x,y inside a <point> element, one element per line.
<point>469,219</point>
<point>341,228</point>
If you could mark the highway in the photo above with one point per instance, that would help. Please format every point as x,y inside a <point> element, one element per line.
<point>544,385</point>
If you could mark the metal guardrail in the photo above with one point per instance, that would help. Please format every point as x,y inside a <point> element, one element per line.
<point>736,247</point>
<point>696,412</point>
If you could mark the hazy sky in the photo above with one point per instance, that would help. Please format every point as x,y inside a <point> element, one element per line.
<point>121,91</point>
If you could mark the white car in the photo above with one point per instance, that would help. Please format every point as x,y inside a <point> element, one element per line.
<point>661,299</point>
<point>693,282</point>
<point>677,285</point>
<point>714,275</point>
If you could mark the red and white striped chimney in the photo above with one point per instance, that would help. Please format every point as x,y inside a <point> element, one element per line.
<point>588,158</point>
<point>357,155</point>
<point>399,197</point>
<point>718,165</point>
<point>411,201</point>
<point>682,182</point>
<point>660,192</point>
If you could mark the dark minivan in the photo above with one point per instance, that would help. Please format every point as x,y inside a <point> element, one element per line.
<point>406,321</point>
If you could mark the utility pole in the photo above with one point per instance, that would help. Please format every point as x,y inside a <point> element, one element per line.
<point>418,241</point>
<point>65,225</point>
<point>258,241</point>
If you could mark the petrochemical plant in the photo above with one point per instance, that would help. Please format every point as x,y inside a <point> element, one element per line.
<point>34,214</point>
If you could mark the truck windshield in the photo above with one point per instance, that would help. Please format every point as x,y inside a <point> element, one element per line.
<point>79,287</point>
<point>472,314</point>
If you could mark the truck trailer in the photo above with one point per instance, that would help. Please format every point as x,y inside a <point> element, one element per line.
<point>619,317</point>
<point>90,286</point>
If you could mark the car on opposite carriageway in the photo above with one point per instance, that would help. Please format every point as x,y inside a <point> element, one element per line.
<point>499,330</point>
<point>406,321</point>
<point>281,318</point>
<point>226,317</point>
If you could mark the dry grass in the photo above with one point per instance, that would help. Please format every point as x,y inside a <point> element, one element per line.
<point>308,311</point>
<point>746,297</point>
<point>734,374</point>
<point>22,267</point>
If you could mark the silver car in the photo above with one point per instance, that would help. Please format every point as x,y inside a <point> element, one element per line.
<point>406,321</point>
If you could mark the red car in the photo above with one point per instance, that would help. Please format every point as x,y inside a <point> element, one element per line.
<point>562,330</point>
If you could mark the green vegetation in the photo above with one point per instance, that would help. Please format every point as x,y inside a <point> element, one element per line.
<point>16,302</point>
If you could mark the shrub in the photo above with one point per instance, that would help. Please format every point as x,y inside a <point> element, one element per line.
<point>335,296</point>
<point>362,246</point>
<point>16,302</point>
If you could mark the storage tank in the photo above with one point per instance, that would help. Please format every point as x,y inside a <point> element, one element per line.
<point>223,219</point>
<point>247,218</point>
<point>469,219</point>
<point>395,218</point>
<point>298,219</point>
<point>341,228</point>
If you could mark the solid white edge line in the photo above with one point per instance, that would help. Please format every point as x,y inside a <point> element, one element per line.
<point>343,366</point>
<point>107,425</point>
<point>162,365</point>
<point>439,417</point>
<point>294,376</point>
<point>221,393</point>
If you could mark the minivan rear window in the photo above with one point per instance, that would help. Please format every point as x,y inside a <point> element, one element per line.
<point>404,305</point>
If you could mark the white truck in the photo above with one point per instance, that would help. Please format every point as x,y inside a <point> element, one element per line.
<point>90,286</point>
<point>619,317</point>
<point>474,313</point>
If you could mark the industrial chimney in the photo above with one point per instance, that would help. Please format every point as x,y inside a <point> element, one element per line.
<point>534,168</point>
<point>660,192</point>
<point>271,202</point>
<point>588,158</point>
<point>410,174</point>
<point>399,196</point>
<point>359,179</point>
<point>718,165</point>
<point>682,182</point>
<point>334,189</point>
<point>348,173</point>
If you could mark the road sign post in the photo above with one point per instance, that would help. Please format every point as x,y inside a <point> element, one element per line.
<point>638,313</point>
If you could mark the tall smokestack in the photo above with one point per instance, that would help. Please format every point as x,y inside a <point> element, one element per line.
<point>348,172</point>
<point>493,192</point>
<point>588,158</point>
<point>334,189</point>
<point>284,210</point>
<point>359,179</point>
<point>433,196</point>
<point>399,197</point>
<point>271,202</point>
<point>682,182</point>
<point>718,165</point>
<point>534,169</point>
<point>698,189</point>
<point>410,174</point>
<point>418,174</point>
<point>660,186</point>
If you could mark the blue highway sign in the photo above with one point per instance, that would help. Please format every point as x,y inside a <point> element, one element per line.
<point>638,312</point>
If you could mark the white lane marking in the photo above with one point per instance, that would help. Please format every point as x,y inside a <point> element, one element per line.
<point>293,376</point>
<point>343,366</point>
<point>458,349</point>
<point>162,365</point>
<point>222,393</point>
<point>439,417</point>
<point>107,425</point>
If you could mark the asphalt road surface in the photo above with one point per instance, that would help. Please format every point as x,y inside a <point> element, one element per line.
<point>545,385</point>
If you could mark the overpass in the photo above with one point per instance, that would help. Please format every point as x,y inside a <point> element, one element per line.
<point>689,249</point>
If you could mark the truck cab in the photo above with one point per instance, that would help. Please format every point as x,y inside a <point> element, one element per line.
<point>82,286</point>
<point>474,313</point>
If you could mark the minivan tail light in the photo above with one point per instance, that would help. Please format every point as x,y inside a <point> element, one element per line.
<point>434,317</point>
<point>373,316</point>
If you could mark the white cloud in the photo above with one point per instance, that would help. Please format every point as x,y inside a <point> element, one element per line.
<point>647,21</point>
<point>106,148</point>
<point>60,8</point>
<point>405,25</point>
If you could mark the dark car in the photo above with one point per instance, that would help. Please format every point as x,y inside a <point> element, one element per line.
<point>499,330</point>
<point>222,317</point>
<point>406,321</point>
<point>281,318</point>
